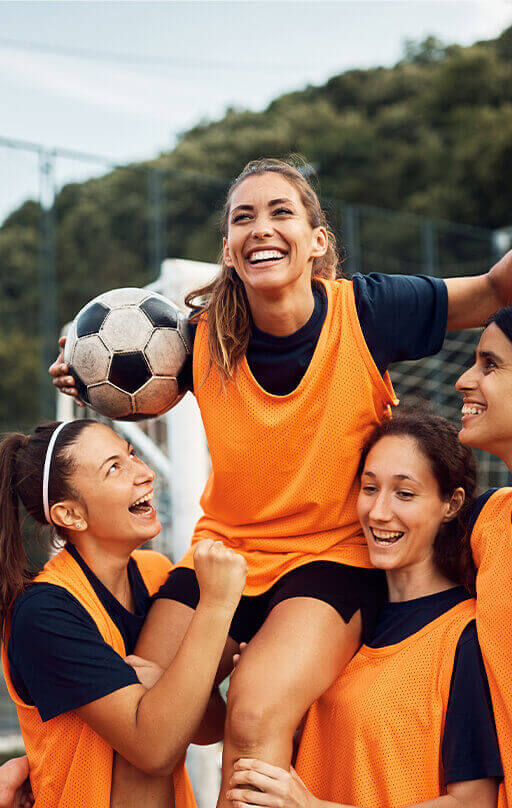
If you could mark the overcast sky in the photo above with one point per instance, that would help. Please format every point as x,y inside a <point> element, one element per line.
<point>121,79</point>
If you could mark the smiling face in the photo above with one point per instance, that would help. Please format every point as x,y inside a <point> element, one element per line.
<point>270,241</point>
<point>115,489</point>
<point>487,390</point>
<point>399,505</point>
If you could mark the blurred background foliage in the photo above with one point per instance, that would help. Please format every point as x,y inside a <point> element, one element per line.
<point>430,137</point>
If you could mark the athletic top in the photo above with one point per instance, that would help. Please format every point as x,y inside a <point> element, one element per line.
<point>53,635</point>
<point>296,454</point>
<point>401,316</point>
<point>408,715</point>
<point>70,765</point>
<point>293,497</point>
<point>492,551</point>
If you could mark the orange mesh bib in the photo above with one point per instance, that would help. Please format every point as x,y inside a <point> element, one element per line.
<point>491,542</point>
<point>282,489</point>
<point>70,765</point>
<point>374,737</point>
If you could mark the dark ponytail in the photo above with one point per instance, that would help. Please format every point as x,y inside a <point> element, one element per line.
<point>21,478</point>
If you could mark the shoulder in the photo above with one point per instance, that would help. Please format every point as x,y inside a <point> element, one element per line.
<point>42,605</point>
<point>396,289</point>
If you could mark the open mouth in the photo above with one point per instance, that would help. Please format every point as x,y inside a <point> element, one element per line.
<point>262,257</point>
<point>471,410</point>
<point>385,538</point>
<point>142,506</point>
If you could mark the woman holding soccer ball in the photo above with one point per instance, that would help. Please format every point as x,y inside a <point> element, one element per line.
<point>290,374</point>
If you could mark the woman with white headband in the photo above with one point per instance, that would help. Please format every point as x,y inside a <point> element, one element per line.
<point>67,631</point>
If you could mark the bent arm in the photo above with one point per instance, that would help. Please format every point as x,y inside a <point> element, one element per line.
<point>472,300</point>
<point>152,728</point>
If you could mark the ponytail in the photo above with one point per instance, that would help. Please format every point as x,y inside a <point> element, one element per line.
<point>13,561</point>
<point>22,460</point>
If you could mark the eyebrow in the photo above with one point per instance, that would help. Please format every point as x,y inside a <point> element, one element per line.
<point>395,476</point>
<point>489,355</point>
<point>115,456</point>
<point>280,201</point>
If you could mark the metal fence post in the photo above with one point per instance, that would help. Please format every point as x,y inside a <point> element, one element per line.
<point>47,281</point>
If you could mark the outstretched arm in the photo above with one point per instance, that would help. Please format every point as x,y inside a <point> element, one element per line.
<point>472,300</point>
<point>259,785</point>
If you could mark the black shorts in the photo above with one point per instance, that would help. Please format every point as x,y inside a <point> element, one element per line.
<point>346,589</point>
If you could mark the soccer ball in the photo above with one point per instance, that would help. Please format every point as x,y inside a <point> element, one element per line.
<point>126,350</point>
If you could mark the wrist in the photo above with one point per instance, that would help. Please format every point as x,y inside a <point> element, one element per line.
<point>214,610</point>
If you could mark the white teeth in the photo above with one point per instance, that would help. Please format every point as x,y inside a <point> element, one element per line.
<point>472,409</point>
<point>265,255</point>
<point>145,498</point>
<point>386,536</point>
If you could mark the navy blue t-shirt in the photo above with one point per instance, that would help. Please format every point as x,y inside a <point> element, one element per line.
<point>58,659</point>
<point>401,316</point>
<point>470,745</point>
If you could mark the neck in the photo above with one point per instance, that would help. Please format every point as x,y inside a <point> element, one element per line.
<point>416,581</point>
<point>109,565</point>
<point>282,312</point>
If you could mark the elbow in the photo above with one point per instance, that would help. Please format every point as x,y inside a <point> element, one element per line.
<point>162,764</point>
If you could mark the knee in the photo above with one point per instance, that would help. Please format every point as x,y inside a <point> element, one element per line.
<point>247,722</point>
<point>251,716</point>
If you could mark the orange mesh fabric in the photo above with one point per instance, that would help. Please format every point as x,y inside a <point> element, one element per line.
<point>491,541</point>
<point>374,737</point>
<point>282,488</point>
<point>70,765</point>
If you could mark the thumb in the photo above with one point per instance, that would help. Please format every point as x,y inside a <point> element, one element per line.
<point>296,777</point>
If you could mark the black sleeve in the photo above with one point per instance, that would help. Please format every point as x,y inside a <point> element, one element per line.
<point>402,316</point>
<point>186,380</point>
<point>478,506</point>
<point>58,656</point>
<point>470,746</point>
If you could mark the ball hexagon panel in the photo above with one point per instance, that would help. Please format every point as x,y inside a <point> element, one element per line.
<point>93,359</point>
<point>129,371</point>
<point>129,296</point>
<point>91,319</point>
<point>185,331</point>
<point>126,329</point>
<point>161,313</point>
<point>110,401</point>
<point>156,397</point>
<point>165,352</point>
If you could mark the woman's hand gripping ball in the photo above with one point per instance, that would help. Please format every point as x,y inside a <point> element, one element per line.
<point>221,575</point>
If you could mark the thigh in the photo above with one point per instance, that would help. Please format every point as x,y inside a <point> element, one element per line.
<point>302,646</point>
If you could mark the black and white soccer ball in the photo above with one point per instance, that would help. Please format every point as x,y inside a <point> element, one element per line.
<point>127,350</point>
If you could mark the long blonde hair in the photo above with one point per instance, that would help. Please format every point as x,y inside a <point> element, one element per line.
<point>224,299</point>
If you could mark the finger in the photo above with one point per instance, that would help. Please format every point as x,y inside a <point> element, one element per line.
<point>246,795</point>
<point>257,765</point>
<point>249,777</point>
<point>62,342</point>
<point>236,658</point>
<point>242,646</point>
<point>59,367</point>
<point>133,659</point>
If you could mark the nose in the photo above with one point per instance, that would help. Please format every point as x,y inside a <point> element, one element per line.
<point>467,381</point>
<point>143,473</point>
<point>262,228</point>
<point>381,509</point>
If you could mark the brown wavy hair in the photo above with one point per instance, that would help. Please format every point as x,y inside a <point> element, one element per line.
<point>224,299</point>
<point>453,465</point>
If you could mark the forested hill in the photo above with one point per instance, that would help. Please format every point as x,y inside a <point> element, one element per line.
<point>431,135</point>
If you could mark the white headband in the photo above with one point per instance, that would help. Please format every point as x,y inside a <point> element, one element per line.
<point>46,470</point>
